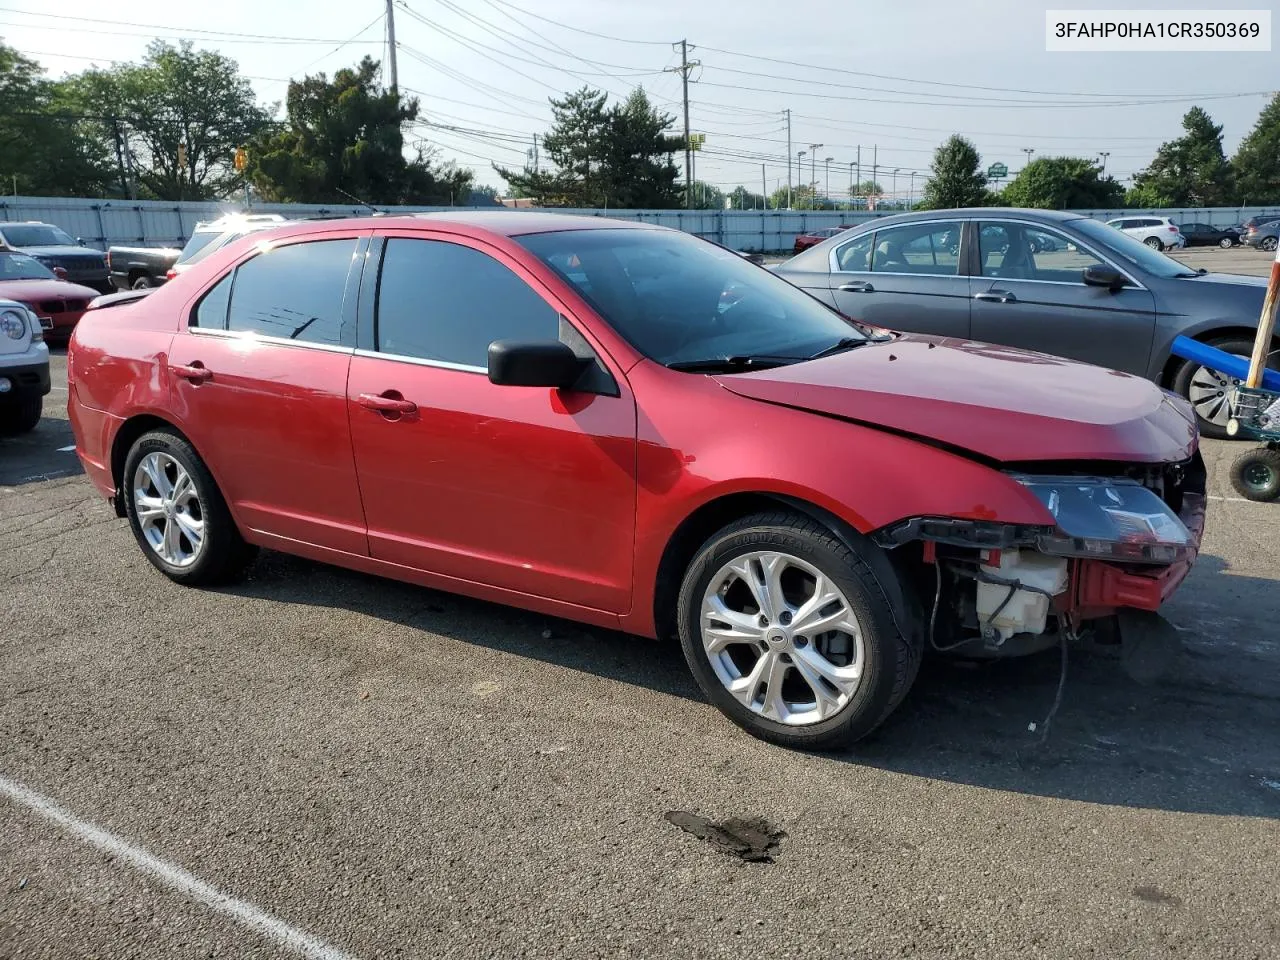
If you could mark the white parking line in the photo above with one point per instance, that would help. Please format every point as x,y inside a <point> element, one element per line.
<point>1229,499</point>
<point>284,935</point>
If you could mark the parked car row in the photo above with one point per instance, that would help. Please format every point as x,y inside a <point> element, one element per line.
<point>621,424</point>
<point>1057,283</point>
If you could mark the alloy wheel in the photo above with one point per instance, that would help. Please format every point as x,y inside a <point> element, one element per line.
<point>168,508</point>
<point>782,638</point>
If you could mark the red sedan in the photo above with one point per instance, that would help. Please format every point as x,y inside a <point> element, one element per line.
<point>815,237</point>
<point>569,415</point>
<point>57,303</point>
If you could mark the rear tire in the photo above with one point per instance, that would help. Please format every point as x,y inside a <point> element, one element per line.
<point>19,416</point>
<point>1154,243</point>
<point>219,554</point>
<point>854,632</point>
<point>1226,243</point>
<point>1255,474</point>
<point>1269,244</point>
<point>143,283</point>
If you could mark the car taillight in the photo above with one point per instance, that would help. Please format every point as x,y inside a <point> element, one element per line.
<point>171,274</point>
<point>1173,229</point>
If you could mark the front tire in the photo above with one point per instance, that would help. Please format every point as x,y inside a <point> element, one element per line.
<point>1255,474</point>
<point>1208,390</point>
<point>1226,243</point>
<point>177,513</point>
<point>20,416</point>
<point>788,632</point>
<point>1154,243</point>
<point>1269,244</point>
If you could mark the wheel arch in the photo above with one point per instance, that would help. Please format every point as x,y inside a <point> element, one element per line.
<point>699,526</point>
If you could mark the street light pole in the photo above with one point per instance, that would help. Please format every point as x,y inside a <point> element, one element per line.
<point>1028,151</point>
<point>800,155</point>
<point>895,185</point>
<point>911,193</point>
<point>1104,154</point>
<point>827,198</point>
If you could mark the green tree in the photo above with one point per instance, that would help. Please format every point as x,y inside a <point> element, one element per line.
<point>1191,171</point>
<point>1063,183</point>
<point>346,136</point>
<point>956,178</point>
<point>707,196</point>
<point>740,198</point>
<point>482,196</point>
<point>47,144</point>
<point>181,113</point>
<point>801,197</point>
<point>604,156</point>
<point>1257,161</point>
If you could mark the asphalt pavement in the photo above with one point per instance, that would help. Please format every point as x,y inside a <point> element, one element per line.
<point>319,763</point>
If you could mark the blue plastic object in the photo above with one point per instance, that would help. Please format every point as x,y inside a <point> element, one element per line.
<point>1227,363</point>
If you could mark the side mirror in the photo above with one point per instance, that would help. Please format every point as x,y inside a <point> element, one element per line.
<point>534,363</point>
<point>1099,275</point>
<point>60,273</point>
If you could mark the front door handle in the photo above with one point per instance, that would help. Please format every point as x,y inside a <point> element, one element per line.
<point>857,286</point>
<point>996,296</point>
<point>196,371</point>
<point>387,404</point>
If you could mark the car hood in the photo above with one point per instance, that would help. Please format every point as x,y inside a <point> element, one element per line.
<point>30,290</point>
<point>68,252</point>
<point>1000,403</point>
<point>1232,278</point>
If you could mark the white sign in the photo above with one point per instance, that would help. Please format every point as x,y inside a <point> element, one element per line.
<point>1186,31</point>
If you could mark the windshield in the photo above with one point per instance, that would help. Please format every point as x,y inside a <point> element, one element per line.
<point>199,242</point>
<point>1134,251</point>
<point>36,235</point>
<point>678,299</point>
<point>18,266</point>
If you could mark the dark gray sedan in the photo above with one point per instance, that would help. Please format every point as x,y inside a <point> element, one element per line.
<point>1042,280</point>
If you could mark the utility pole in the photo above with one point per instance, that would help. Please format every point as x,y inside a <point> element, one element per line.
<point>535,153</point>
<point>764,186</point>
<point>895,185</point>
<point>875,165</point>
<point>391,45</point>
<point>126,185</point>
<point>858,163</point>
<point>788,113</point>
<point>686,65</point>
<point>813,174</point>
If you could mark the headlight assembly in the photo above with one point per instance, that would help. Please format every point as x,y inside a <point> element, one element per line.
<point>13,323</point>
<point>1109,519</point>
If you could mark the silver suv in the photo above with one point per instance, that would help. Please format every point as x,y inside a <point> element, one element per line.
<point>24,369</point>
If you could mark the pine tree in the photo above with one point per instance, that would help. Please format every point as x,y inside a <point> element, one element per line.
<point>1257,161</point>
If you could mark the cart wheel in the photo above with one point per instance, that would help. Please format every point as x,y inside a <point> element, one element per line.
<point>1256,474</point>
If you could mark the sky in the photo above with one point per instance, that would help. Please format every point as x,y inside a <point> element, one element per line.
<point>893,79</point>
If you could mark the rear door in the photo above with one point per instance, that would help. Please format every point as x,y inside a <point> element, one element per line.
<point>527,489</point>
<point>1030,293</point>
<point>905,277</point>
<point>259,379</point>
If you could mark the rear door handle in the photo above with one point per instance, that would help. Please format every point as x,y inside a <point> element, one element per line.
<point>996,296</point>
<point>196,371</point>
<point>857,286</point>
<point>385,404</point>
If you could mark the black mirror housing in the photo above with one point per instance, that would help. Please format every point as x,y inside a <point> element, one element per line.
<point>534,363</point>
<point>1099,275</point>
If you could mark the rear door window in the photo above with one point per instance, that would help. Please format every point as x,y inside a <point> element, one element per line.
<point>295,292</point>
<point>923,248</point>
<point>855,256</point>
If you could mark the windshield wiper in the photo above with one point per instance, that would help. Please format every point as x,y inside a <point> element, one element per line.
<point>841,345</point>
<point>740,362</point>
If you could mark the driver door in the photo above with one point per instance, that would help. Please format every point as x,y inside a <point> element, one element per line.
<point>1029,293</point>
<point>530,490</point>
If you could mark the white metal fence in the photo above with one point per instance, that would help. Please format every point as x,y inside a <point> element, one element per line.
<point>157,223</point>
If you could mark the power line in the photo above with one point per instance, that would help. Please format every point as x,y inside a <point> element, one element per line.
<point>151,27</point>
<point>344,43</point>
<point>589,33</point>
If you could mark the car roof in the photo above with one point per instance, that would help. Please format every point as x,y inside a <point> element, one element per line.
<point>505,223</point>
<point>972,212</point>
